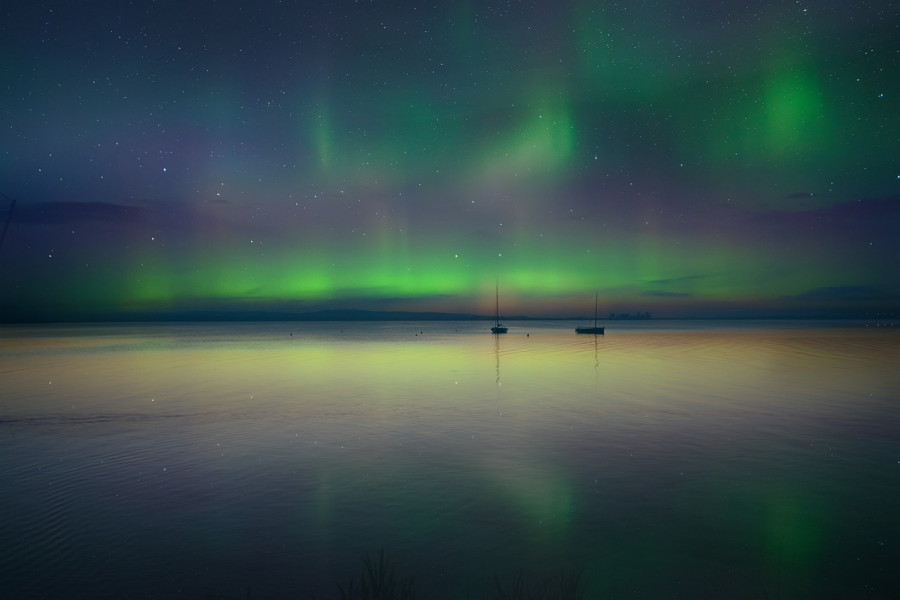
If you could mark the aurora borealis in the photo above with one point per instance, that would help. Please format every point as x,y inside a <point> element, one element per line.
<point>683,158</point>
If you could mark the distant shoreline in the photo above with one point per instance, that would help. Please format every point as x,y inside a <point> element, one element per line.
<point>402,316</point>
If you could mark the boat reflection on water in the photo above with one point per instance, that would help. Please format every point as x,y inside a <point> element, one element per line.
<point>498,327</point>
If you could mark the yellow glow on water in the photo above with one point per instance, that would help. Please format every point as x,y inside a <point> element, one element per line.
<point>660,447</point>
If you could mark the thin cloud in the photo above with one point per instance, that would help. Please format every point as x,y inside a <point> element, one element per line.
<point>65,213</point>
<point>844,293</point>
<point>663,294</point>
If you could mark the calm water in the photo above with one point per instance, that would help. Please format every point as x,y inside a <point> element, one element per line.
<point>663,460</point>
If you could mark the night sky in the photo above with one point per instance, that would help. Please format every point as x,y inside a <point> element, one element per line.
<point>686,158</point>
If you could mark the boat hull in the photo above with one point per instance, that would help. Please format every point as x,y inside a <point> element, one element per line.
<point>594,330</point>
<point>499,329</point>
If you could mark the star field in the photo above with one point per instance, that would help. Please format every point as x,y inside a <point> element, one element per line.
<point>683,158</point>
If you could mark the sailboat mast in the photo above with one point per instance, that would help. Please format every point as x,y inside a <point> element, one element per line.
<point>595,310</point>
<point>497,297</point>
<point>497,328</point>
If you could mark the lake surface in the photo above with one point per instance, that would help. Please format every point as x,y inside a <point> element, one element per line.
<point>664,459</point>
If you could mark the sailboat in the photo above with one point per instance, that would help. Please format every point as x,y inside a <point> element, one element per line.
<point>498,328</point>
<point>595,330</point>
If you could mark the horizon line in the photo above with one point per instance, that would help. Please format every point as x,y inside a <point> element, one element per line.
<point>362,315</point>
